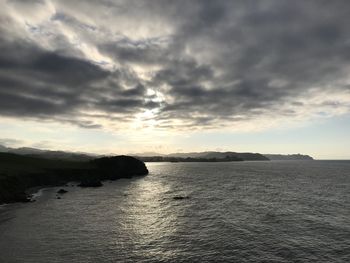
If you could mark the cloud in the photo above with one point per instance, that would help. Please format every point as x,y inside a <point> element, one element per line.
<point>42,84</point>
<point>183,64</point>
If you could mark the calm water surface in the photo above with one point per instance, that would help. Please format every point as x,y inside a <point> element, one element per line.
<point>236,212</point>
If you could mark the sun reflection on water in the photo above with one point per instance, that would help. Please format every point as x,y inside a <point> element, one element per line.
<point>150,219</point>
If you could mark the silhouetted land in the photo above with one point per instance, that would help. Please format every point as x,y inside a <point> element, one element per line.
<point>208,156</point>
<point>48,154</point>
<point>219,157</point>
<point>287,157</point>
<point>18,173</point>
<point>205,157</point>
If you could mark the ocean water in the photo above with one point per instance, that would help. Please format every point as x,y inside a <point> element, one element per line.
<point>296,211</point>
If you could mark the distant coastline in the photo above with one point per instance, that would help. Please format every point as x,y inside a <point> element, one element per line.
<point>288,157</point>
<point>207,156</point>
<point>218,157</point>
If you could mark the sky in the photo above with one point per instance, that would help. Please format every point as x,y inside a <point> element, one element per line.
<point>268,76</point>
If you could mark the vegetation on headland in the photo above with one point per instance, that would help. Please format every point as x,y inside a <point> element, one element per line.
<point>18,173</point>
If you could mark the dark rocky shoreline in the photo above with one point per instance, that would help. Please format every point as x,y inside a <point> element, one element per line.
<point>40,172</point>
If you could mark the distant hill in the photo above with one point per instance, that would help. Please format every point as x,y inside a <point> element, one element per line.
<point>3,148</point>
<point>47,154</point>
<point>212,156</point>
<point>221,155</point>
<point>288,157</point>
<point>202,157</point>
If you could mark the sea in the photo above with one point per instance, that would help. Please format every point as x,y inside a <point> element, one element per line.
<point>263,211</point>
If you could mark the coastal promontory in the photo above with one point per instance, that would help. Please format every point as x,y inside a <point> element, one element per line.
<point>19,173</point>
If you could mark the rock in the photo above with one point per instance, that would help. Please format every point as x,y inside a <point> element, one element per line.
<point>181,197</point>
<point>116,167</point>
<point>90,183</point>
<point>58,197</point>
<point>21,197</point>
<point>62,191</point>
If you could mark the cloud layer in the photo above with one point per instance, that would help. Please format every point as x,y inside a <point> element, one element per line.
<point>174,64</point>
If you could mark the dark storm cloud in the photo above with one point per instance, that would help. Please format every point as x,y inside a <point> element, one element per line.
<point>144,53</point>
<point>45,85</point>
<point>216,63</point>
<point>251,44</point>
